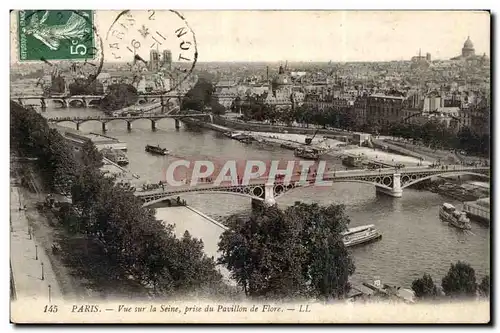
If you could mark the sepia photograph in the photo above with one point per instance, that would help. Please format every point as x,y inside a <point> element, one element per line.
<point>250,166</point>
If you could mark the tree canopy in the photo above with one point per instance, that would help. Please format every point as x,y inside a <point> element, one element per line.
<point>296,252</point>
<point>484,286</point>
<point>200,97</point>
<point>126,240</point>
<point>424,287</point>
<point>460,280</point>
<point>119,96</point>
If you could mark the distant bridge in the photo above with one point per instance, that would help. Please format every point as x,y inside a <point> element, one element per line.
<point>104,120</point>
<point>387,181</point>
<point>94,100</point>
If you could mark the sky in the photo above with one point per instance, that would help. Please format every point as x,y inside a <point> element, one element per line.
<point>336,36</point>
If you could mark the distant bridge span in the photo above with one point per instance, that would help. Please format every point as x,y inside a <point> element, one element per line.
<point>94,100</point>
<point>129,119</point>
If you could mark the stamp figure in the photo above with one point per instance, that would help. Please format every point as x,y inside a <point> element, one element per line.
<point>56,35</point>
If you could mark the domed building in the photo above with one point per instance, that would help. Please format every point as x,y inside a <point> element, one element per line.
<point>282,82</point>
<point>469,53</point>
<point>468,49</point>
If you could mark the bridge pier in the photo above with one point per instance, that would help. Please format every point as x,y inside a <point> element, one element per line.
<point>269,199</point>
<point>86,103</point>
<point>177,123</point>
<point>129,125</point>
<point>104,126</point>
<point>396,191</point>
<point>153,125</point>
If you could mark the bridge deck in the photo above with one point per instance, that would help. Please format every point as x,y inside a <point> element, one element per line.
<point>357,174</point>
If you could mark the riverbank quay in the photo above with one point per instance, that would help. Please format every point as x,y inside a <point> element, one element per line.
<point>32,275</point>
<point>262,127</point>
<point>282,138</point>
<point>199,225</point>
<point>458,190</point>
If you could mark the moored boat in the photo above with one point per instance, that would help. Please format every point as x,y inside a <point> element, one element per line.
<point>307,153</point>
<point>478,210</point>
<point>359,235</point>
<point>116,156</point>
<point>156,150</point>
<point>353,161</point>
<point>453,216</point>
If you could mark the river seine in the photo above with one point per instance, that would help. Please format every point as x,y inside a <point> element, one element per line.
<point>414,240</point>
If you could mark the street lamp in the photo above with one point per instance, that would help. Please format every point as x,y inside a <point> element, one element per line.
<point>43,278</point>
<point>49,294</point>
<point>36,252</point>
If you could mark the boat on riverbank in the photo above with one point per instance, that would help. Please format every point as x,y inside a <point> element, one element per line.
<point>240,136</point>
<point>116,156</point>
<point>458,219</point>
<point>478,210</point>
<point>360,235</point>
<point>156,150</point>
<point>307,153</point>
<point>354,161</point>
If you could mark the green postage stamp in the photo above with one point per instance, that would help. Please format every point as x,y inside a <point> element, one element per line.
<point>56,34</point>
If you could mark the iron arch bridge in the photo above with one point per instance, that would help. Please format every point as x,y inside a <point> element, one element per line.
<point>386,181</point>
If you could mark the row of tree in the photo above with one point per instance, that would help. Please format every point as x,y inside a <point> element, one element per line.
<point>201,97</point>
<point>460,281</point>
<point>433,133</point>
<point>133,244</point>
<point>289,254</point>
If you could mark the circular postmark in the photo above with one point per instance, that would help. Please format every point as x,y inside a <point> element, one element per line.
<point>155,43</point>
<point>65,40</point>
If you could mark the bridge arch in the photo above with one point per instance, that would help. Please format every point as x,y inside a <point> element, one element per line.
<point>76,103</point>
<point>61,103</point>
<point>94,102</point>
<point>169,196</point>
<point>296,187</point>
<point>456,173</point>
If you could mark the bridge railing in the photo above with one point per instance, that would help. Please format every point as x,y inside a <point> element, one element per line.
<point>296,178</point>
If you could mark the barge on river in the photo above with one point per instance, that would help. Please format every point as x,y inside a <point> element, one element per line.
<point>116,156</point>
<point>360,235</point>
<point>478,210</point>
<point>307,153</point>
<point>156,150</point>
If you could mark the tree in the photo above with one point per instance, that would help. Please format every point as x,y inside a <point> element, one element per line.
<point>288,254</point>
<point>119,96</point>
<point>200,96</point>
<point>484,286</point>
<point>460,280</point>
<point>90,156</point>
<point>424,287</point>
<point>125,244</point>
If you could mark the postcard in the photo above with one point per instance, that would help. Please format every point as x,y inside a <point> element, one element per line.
<point>257,166</point>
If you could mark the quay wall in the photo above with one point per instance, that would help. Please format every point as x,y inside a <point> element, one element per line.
<point>400,150</point>
<point>236,125</point>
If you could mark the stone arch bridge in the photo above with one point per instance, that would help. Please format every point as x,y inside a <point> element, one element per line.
<point>104,120</point>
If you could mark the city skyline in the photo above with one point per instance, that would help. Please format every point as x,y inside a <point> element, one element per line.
<point>338,36</point>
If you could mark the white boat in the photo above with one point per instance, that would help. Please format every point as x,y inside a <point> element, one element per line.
<point>360,235</point>
<point>453,216</point>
